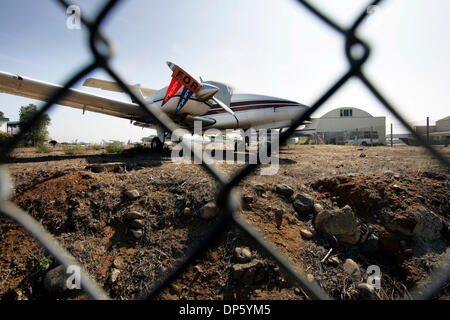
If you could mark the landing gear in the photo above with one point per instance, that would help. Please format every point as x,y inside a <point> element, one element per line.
<point>156,145</point>
<point>157,142</point>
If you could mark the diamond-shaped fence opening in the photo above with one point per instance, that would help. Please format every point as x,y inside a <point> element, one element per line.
<point>227,199</point>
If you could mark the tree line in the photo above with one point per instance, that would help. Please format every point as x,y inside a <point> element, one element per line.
<point>37,135</point>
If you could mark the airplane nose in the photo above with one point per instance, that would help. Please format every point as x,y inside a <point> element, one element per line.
<point>206,92</point>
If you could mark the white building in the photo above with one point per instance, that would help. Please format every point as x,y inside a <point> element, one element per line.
<point>13,127</point>
<point>438,134</point>
<point>3,124</point>
<point>349,125</point>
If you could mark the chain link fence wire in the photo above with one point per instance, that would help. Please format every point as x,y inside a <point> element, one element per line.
<point>227,200</point>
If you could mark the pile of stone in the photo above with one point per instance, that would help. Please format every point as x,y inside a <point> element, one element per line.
<point>136,223</point>
<point>248,270</point>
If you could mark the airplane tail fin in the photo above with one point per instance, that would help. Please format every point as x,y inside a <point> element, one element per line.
<point>190,85</point>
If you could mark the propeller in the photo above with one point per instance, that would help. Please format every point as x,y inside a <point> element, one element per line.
<point>203,92</point>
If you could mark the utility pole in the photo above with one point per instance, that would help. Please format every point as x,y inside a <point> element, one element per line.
<point>428,130</point>
<point>392,137</point>
<point>371,141</point>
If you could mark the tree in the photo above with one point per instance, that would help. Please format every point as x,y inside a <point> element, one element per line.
<point>2,114</point>
<point>38,133</point>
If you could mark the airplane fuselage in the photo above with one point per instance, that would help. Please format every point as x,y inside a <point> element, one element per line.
<point>251,110</point>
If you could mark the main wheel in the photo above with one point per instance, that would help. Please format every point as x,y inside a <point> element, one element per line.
<point>156,145</point>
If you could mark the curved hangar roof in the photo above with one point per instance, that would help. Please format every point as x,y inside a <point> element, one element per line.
<point>355,113</point>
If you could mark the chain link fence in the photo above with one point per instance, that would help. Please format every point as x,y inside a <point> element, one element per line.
<point>227,200</point>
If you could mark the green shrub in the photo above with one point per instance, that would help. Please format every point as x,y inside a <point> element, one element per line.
<point>72,150</point>
<point>4,137</point>
<point>114,148</point>
<point>95,147</point>
<point>43,149</point>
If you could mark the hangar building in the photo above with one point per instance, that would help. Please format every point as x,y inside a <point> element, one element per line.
<point>438,134</point>
<point>349,125</point>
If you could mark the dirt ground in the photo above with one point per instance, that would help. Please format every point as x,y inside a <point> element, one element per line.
<point>86,212</point>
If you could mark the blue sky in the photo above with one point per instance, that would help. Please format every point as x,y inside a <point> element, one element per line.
<point>264,46</point>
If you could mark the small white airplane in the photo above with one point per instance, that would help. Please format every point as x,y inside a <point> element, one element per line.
<point>216,104</point>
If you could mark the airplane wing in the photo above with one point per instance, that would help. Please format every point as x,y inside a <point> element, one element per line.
<point>40,90</point>
<point>113,86</point>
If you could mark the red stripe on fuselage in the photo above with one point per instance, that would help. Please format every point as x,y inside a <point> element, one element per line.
<point>252,105</point>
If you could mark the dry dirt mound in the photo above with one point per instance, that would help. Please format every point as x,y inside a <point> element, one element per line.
<point>409,215</point>
<point>86,211</point>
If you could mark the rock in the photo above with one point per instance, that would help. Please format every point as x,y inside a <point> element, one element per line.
<point>19,295</point>
<point>341,223</point>
<point>208,211</point>
<point>247,201</point>
<point>428,225</point>
<point>114,275</point>
<point>370,246</point>
<point>187,211</point>
<point>335,261</point>
<point>388,173</point>
<point>303,203</point>
<point>132,194</point>
<point>306,234</point>
<point>246,272</point>
<point>131,215</point>
<point>352,269</point>
<point>198,269</point>
<point>362,155</point>
<point>138,223</point>
<point>396,187</point>
<point>284,190</point>
<point>118,263</point>
<point>106,167</point>
<point>310,277</point>
<point>364,231</point>
<point>408,252</point>
<point>55,281</point>
<point>317,207</point>
<point>242,254</point>
<point>137,233</point>
<point>260,187</point>
<point>366,291</point>
<point>418,222</point>
<point>87,175</point>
